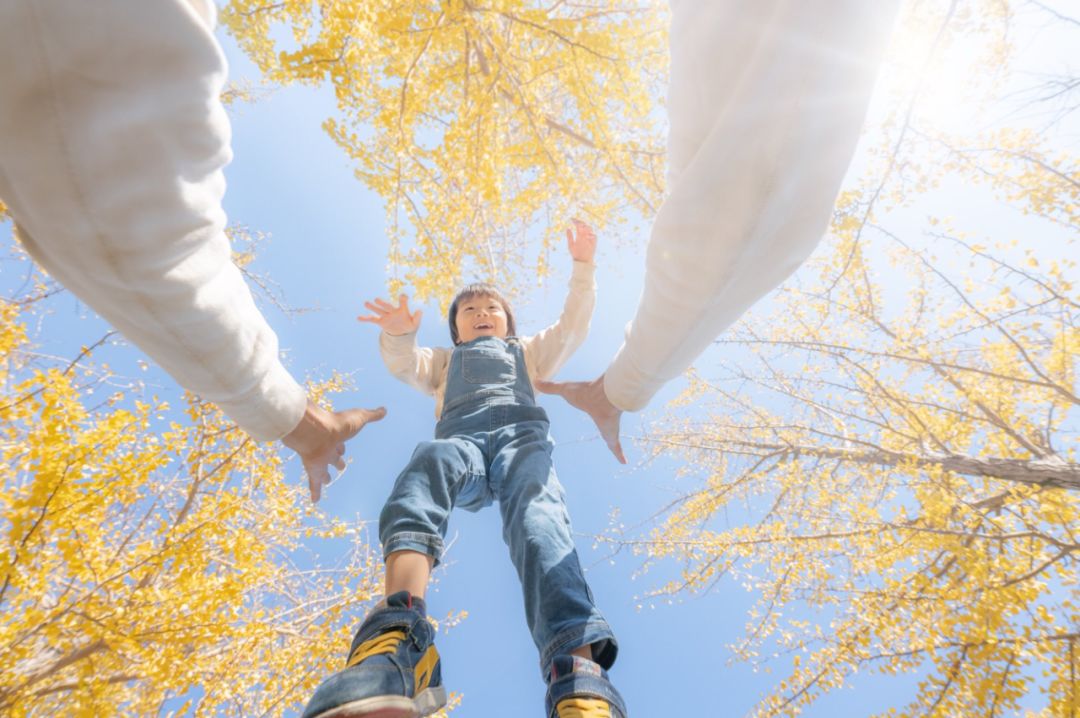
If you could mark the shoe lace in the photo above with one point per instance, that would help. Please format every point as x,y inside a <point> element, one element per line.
<point>584,708</point>
<point>383,643</point>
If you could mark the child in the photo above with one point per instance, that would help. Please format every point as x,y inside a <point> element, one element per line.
<point>491,445</point>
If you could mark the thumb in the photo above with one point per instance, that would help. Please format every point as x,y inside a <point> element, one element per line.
<point>416,318</point>
<point>351,421</point>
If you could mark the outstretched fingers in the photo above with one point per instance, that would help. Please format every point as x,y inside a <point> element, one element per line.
<point>320,439</point>
<point>588,396</point>
<point>581,241</point>
<point>610,433</point>
<point>394,319</point>
<point>379,308</point>
<point>318,477</point>
<point>553,387</point>
<point>351,421</point>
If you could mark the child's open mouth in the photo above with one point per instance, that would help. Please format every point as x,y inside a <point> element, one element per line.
<point>483,326</point>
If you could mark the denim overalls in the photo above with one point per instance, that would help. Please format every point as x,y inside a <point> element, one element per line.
<point>492,444</point>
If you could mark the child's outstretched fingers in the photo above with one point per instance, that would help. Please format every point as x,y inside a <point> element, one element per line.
<point>390,318</point>
<point>377,309</point>
<point>582,245</point>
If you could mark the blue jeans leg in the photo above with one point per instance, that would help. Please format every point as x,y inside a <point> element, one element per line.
<point>442,474</point>
<point>559,606</point>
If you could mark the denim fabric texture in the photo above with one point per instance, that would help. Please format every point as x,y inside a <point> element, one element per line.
<point>492,446</point>
<point>576,677</point>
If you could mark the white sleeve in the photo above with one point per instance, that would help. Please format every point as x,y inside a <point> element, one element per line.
<point>766,101</point>
<point>112,144</point>
<point>548,350</point>
<point>420,367</point>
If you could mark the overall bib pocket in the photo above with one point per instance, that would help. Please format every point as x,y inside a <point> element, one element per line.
<point>487,365</point>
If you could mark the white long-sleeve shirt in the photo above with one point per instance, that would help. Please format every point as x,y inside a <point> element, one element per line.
<point>112,144</point>
<point>426,368</point>
<point>766,101</point>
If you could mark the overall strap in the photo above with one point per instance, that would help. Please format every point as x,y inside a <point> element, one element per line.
<point>523,384</point>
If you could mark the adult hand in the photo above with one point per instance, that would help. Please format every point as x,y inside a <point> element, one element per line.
<point>393,320</point>
<point>589,396</point>
<point>320,439</point>
<point>583,245</point>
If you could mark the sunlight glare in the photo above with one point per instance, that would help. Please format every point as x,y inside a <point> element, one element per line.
<point>943,79</point>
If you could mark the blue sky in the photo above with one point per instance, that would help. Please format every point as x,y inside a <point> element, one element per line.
<point>327,249</point>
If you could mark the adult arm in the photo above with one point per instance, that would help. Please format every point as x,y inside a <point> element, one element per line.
<point>765,105</point>
<point>112,145</point>
<point>766,101</point>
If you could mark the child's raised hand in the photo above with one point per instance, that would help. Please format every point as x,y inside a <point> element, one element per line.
<point>583,246</point>
<point>393,320</point>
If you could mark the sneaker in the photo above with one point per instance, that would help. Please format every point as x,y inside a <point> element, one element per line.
<point>393,668</point>
<point>579,688</point>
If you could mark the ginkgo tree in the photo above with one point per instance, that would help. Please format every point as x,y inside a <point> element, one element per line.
<point>483,126</point>
<point>151,556</point>
<point>149,564</point>
<point>898,428</point>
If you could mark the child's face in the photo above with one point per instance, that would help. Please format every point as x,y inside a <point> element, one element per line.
<point>480,316</point>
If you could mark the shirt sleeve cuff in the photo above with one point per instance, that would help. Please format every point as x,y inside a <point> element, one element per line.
<point>583,271</point>
<point>627,387</point>
<point>271,409</point>
<point>397,344</point>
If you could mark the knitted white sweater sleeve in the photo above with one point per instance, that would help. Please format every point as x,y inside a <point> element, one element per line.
<point>766,101</point>
<point>112,144</point>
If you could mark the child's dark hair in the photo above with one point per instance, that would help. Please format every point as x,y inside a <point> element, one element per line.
<point>471,291</point>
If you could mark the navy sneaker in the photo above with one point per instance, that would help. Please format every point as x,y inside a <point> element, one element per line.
<point>579,688</point>
<point>393,669</point>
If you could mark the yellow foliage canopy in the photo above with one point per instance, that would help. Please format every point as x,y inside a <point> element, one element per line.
<point>143,563</point>
<point>484,126</point>
<point>899,431</point>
